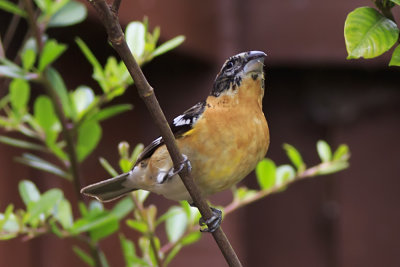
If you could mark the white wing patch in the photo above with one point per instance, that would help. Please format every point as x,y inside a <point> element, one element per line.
<point>179,121</point>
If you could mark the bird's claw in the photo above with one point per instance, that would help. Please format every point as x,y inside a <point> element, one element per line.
<point>182,164</point>
<point>213,223</point>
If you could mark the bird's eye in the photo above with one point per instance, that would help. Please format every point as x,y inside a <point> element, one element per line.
<point>229,65</point>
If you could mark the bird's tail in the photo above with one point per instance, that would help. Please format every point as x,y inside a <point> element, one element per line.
<point>108,190</point>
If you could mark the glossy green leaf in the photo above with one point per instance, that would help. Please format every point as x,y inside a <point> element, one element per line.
<point>51,51</point>
<point>266,173</point>
<point>368,33</point>
<point>135,38</point>
<point>28,192</point>
<point>85,257</point>
<point>142,195</point>
<point>129,251</point>
<point>45,205</point>
<point>19,95</point>
<point>138,226</point>
<point>63,213</point>
<point>324,151</point>
<point>111,111</point>
<point>41,164</point>
<point>136,152</point>
<point>294,156</point>
<point>341,153</point>
<point>170,213</point>
<point>169,45</point>
<point>10,224</point>
<point>123,208</point>
<point>71,13</point>
<point>89,134</point>
<point>59,86</point>
<point>20,143</point>
<point>82,98</point>
<point>125,165</point>
<point>12,8</point>
<point>284,173</point>
<point>107,166</point>
<point>6,216</point>
<point>397,2</point>
<point>243,193</point>
<point>175,225</point>
<point>28,58</point>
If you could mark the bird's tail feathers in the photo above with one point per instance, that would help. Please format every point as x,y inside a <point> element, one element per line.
<point>108,190</point>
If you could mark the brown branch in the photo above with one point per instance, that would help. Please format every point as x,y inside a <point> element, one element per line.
<point>146,92</point>
<point>33,26</point>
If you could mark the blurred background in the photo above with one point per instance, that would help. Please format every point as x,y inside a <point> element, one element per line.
<point>312,92</point>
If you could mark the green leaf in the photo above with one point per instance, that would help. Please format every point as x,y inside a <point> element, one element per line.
<point>28,191</point>
<point>20,143</point>
<point>136,152</point>
<point>397,2</point>
<point>84,256</point>
<point>395,60</point>
<point>169,45</point>
<point>28,58</point>
<point>333,167</point>
<point>11,70</point>
<point>112,111</point>
<point>191,238</point>
<point>341,153</point>
<point>12,8</point>
<point>135,38</point>
<point>71,13</point>
<point>63,213</point>
<point>129,251</point>
<point>82,98</point>
<point>123,208</point>
<point>89,134</point>
<point>45,205</point>
<point>51,51</point>
<point>59,86</point>
<point>125,165</point>
<point>142,195</point>
<point>38,163</point>
<point>19,95</point>
<point>324,151</point>
<point>176,225</point>
<point>170,213</point>
<point>89,55</point>
<point>10,224</point>
<point>107,166</point>
<point>243,193</point>
<point>368,34</point>
<point>172,254</point>
<point>266,173</point>
<point>284,173</point>
<point>105,230</point>
<point>90,223</point>
<point>45,116</point>
<point>138,226</point>
<point>4,217</point>
<point>294,156</point>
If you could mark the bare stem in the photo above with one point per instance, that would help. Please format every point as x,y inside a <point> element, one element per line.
<point>33,26</point>
<point>146,92</point>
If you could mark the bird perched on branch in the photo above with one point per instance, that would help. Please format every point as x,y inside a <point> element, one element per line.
<point>223,139</point>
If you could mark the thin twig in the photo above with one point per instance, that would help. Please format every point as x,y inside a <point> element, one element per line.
<point>11,29</point>
<point>34,27</point>
<point>146,92</point>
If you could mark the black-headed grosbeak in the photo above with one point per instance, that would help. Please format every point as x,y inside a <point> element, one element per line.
<point>223,137</point>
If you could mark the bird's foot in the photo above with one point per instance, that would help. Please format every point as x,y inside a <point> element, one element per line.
<point>213,223</point>
<point>182,164</point>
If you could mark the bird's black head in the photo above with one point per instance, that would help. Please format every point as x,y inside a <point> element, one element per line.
<point>236,68</point>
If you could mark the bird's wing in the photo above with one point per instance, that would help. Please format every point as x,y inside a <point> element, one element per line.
<point>179,126</point>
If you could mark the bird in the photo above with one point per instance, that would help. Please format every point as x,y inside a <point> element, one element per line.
<point>222,138</point>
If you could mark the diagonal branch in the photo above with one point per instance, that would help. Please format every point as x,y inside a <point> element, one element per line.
<point>109,18</point>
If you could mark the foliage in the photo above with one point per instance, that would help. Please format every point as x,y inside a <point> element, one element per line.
<point>370,32</point>
<point>61,128</point>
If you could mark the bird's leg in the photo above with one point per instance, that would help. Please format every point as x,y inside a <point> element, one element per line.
<point>213,223</point>
<point>182,164</point>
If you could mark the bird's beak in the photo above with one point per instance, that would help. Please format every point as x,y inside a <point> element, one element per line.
<point>255,62</point>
